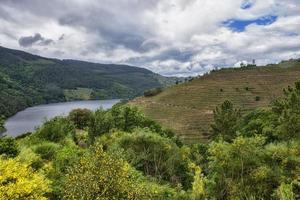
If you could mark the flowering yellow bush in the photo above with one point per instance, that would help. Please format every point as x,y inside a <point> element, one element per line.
<point>100,176</point>
<point>198,186</point>
<point>19,181</point>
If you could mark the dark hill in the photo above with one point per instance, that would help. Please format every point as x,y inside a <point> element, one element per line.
<point>27,79</point>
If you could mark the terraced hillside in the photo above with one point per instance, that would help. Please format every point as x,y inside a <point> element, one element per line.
<point>188,108</point>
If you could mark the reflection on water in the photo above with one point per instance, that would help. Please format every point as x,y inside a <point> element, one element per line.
<point>30,118</point>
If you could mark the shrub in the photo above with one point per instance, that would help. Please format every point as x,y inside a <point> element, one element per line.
<point>8,147</point>
<point>152,154</point>
<point>257,98</point>
<point>19,181</point>
<point>238,170</point>
<point>100,176</point>
<point>285,192</point>
<point>56,129</point>
<point>152,92</point>
<point>24,135</point>
<point>125,118</point>
<point>63,160</point>
<point>46,150</point>
<point>80,117</point>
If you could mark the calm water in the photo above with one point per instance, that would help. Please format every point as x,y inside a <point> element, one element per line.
<point>30,118</point>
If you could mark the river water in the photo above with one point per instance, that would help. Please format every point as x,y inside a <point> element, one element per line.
<point>29,119</point>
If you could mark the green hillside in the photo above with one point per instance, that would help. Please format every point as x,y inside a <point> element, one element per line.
<point>27,79</point>
<point>187,108</point>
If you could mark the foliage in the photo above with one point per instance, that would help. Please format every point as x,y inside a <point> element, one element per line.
<point>198,186</point>
<point>152,154</point>
<point>152,92</point>
<point>19,181</point>
<point>2,122</point>
<point>255,156</point>
<point>259,122</point>
<point>27,79</point>
<point>56,129</point>
<point>65,158</point>
<point>287,111</point>
<point>238,169</point>
<point>226,121</point>
<point>122,117</point>
<point>113,181</point>
<point>80,117</point>
<point>285,192</point>
<point>8,147</point>
<point>46,150</point>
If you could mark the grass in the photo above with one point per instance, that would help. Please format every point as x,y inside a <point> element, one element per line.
<point>78,94</point>
<point>187,108</point>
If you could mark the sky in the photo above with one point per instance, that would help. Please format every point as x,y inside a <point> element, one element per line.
<point>169,37</point>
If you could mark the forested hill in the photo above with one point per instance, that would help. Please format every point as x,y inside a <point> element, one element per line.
<point>188,108</point>
<point>27,79</point>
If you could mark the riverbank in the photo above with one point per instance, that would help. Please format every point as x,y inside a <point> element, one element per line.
<point>29,119</point>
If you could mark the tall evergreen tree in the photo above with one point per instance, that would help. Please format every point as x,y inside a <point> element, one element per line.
<point>226,121</point>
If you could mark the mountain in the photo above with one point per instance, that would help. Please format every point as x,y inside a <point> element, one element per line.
<point>27,79</point>
<point>188,108</point>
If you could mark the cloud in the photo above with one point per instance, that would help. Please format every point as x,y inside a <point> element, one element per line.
<point>27,41</point>
<point>171,37</point>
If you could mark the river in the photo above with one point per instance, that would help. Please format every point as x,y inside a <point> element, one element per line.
<point>29,119</point>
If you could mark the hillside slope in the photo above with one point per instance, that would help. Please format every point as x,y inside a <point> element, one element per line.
<point>27,79</point>
<point>188,108</point>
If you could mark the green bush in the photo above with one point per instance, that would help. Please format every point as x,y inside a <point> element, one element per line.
<point>64,158</point>
<point>80,117</point>
<point>8,147</point>
<point>47,150</point>
<point>154,155</point>
<point>56,129</point>
<point>125,118</point>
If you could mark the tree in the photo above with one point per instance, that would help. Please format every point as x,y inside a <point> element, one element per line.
<point>8,147</point>
<point>80,117</point>
<point>287,110</point>
<point>19,181</point>
<point>100,123</point>
<point>56,129</point>
<point>120,117</point>
<point>226,121</point>
<point>2,122</point>
<point>238,170</point>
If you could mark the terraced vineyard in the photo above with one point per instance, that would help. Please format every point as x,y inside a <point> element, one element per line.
<point>188,108</point>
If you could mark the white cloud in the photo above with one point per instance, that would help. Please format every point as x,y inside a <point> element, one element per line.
<point>171,37</point>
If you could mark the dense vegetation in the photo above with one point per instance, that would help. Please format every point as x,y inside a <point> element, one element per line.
<point>187,108</point>
<point>121,154</point>
<point>27,79</point>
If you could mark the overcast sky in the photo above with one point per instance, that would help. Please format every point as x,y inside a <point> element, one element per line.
<point>170,37</point>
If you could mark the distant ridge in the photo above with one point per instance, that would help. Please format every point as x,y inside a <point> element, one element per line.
<point>27,79</point>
